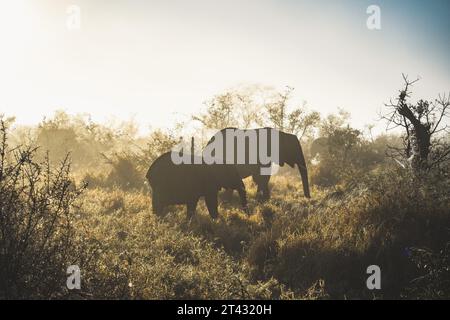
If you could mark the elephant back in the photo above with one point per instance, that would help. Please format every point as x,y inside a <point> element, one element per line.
<point>180,181</point>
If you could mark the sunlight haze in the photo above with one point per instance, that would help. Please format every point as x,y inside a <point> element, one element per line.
<point>158,61</point>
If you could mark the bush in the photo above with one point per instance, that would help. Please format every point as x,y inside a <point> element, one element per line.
<point>121,171</point>
<point>384,220</point>
<point>36,209</point>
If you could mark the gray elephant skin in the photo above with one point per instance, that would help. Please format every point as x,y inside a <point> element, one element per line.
<point>290,153</point>
<point>185,184</point>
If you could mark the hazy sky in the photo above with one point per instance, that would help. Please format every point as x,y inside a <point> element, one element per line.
<point>159,60</point>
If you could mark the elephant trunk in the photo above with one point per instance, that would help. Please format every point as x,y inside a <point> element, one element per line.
<point>301,163</point>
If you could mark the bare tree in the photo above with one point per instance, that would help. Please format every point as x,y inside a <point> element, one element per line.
<point>422,122</point>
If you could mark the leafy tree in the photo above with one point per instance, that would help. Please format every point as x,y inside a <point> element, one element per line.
<point>83,138</point>
<point>298,121</point>
<point>342,153</point>
<point>239,107</point>
<point>219,112</point>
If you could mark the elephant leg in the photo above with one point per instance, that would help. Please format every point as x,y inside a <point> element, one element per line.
<point>157,206</point>
<point>243,196</point>
<point>191,207</point>
<point>211,204</point>
<point>262,181</point>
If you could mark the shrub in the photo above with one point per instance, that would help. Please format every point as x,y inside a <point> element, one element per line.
<point>121,171</point>
<point>36,208</point>
<point>388,215</point>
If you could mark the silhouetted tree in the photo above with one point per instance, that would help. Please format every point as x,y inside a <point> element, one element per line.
<point>421,122</point>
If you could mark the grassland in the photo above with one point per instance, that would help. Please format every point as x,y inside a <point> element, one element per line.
<point>287,248</point>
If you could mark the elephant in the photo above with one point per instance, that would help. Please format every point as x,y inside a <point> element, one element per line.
<point>186,183</point>
<point>289,152</point>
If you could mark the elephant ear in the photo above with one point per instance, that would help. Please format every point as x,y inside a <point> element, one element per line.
<point>288,149</point>
<point>215,175</point>
<point>235,180</point>
<point>225,176</point>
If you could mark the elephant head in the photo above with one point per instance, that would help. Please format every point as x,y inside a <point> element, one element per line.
<point>291,153</point>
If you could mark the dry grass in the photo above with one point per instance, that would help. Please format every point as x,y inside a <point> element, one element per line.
<point>289,247</point>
